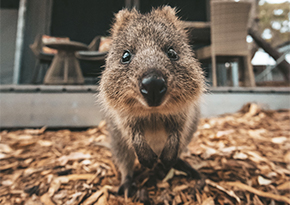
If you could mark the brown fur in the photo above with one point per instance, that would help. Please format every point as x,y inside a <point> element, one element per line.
<point>135,128</point>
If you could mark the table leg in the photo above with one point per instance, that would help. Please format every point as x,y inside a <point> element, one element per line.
<point>65,69</point>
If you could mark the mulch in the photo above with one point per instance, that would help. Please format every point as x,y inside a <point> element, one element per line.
<point>244,156</point>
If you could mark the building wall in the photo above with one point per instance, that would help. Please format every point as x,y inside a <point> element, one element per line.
<point>83,20</point>
<point>188,10</point>
<point>37,21</point>
<point>8,26</point>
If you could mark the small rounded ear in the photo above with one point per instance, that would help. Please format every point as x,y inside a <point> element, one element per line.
<point>166,11</point>
<point>170,14</point>
<point>121,19</point>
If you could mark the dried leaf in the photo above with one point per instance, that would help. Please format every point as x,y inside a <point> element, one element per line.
<point>95,196</point>
<point>5,148</point>
<point>287,157</point>
<point>46,200</point>
<point>263,181</point>
<point>208,201</point>
<point>45,143</point>
<point>180,188</point>
<point>55,184</point>
<point>73,156</point>
<point>284,186</point>
<point>228,192</point>
<point>279,140</point>
<point>259,193</point>
<point>8,166</point>
<point>163,185</point>
<point>103,200</point>
<point>169,175</point>
<point>35,131</point>
<point>178,173</point>
<point>178,199</point>
<point>240,155</point>
<point>80,176</point>
<point>225,132</point>
<point>257,201</point>
<point>208,152</point>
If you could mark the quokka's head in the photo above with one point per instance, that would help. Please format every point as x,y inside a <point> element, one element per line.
<point>150,66</point>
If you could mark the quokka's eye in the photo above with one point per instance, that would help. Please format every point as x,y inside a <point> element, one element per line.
<point>171,53</point>
<point>126,58</point>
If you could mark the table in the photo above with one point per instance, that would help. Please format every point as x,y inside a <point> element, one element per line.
<point>65,68</point>
<point>91,55</point>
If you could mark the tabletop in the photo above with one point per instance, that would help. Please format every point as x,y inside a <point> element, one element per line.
<point>91,55</point>
<point>67,45</point>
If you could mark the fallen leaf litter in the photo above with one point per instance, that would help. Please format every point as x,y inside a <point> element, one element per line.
<point>245,158</point>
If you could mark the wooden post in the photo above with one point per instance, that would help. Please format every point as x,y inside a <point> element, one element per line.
<point>19,41</point>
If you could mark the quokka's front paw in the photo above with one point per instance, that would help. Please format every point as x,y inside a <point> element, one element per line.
<point>148,159</point>
<point>184,166</point>
<point>168,157</point>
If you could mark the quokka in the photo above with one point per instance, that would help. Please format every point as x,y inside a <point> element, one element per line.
<point>150,90</point>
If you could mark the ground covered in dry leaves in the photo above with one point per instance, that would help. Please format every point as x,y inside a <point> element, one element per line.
<point>245,158</point>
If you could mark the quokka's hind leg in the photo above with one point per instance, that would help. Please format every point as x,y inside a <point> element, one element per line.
<point>127,187</point>
<point>124,158</point>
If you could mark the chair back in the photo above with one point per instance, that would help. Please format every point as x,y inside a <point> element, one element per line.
<point>36,47</point>
<point>229,20</point>
<point>95,43</point>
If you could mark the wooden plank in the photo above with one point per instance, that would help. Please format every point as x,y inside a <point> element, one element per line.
<point>283,66</point>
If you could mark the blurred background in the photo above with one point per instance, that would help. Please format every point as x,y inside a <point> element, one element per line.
<point>53,51</point>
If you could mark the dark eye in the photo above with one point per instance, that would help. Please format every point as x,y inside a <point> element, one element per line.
<point>126,58</point>
<point>172,54</point>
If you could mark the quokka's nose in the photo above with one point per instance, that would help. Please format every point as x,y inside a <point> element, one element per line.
<point>153,87</point>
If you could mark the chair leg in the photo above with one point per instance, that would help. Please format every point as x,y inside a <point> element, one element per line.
<point>35,72</point>
<point>249,73</point>
<point>66,71</point>
<point>214,76</point>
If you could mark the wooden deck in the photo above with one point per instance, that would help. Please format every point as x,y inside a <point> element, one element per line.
<point>74,106</point>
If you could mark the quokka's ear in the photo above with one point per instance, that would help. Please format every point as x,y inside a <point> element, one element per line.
<point>166,12</point>
<point>170,14</point>
<point>121,19</point>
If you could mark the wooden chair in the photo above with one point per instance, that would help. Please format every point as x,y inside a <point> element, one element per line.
<point>92,61</point>
<point>43,60</point>
<point>229,20</point>
<point>95,43</point>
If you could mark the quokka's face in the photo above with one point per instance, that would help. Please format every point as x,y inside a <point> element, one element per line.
<point>150,66</point>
